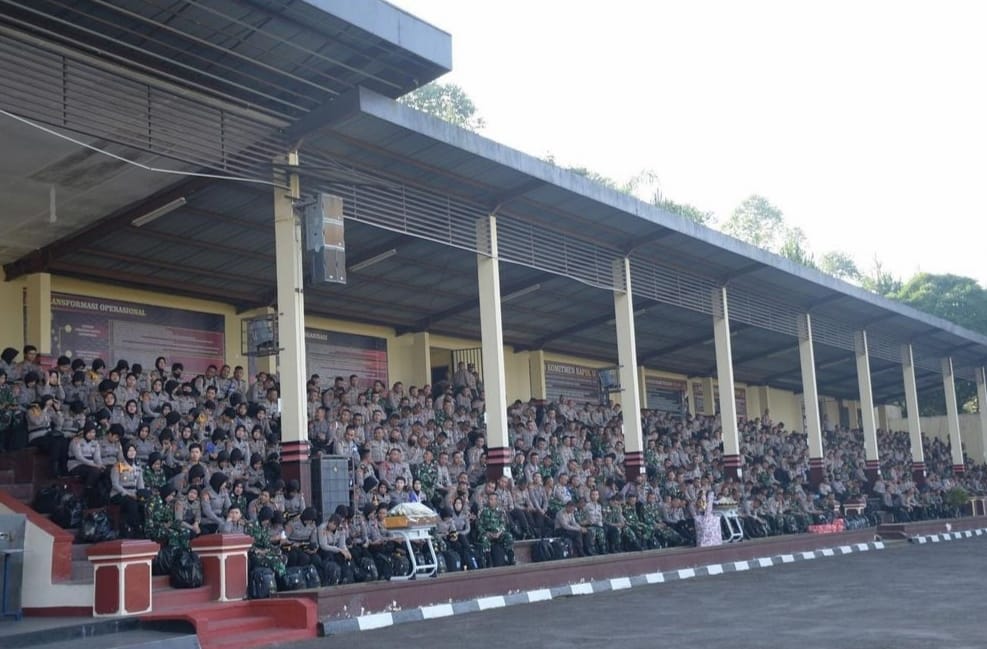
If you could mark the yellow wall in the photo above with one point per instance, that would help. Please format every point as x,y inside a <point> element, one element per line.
<point>12,314</point>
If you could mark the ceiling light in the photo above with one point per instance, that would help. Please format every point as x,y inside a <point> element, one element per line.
<point>376,259</point>
<point>159,212</point>
<point>519,293</point>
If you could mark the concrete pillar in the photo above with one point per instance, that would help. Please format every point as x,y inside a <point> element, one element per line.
<point>873,462</point>
<point>224,564</point>
<point>291,336</point>
<point>37,311</point>
<point>914,420</point>
<point>810,396</point>
<point>724,376</point>
<point>492,333</point>
<point>122,576</point>
<point>763,400</point>
<point>982,409</point>
<point>953,416</point>
<point>630,393</point>
<point>536,370</point>
<point>642,382</point>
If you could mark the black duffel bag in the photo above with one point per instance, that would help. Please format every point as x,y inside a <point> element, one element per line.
<point>186,572</point>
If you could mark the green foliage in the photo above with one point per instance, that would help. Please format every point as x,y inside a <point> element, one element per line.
<point>757,222</point>
<point>448,102</point>
<point>840,265</point>
<point>880,281</point>
<point>957,497</point>
<point>795,247</point>
<point>952,297</point>
<point>687,211</point>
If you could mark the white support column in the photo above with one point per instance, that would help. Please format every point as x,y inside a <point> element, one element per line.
<point>953,416</point>
<point>630,394</point>
<point>291,334</point>
<point>873,462</point>
<point>914,421</point>
<point>724,377</point>
<point>982,409</point>
<point>492,333</point>
<point>810,396</point>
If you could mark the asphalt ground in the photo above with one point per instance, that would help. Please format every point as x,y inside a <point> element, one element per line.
<point>905,596</point>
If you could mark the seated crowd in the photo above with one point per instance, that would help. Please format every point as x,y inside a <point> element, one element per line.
<point>184,455</point>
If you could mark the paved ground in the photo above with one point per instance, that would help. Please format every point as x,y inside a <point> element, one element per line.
<point>903,597</point>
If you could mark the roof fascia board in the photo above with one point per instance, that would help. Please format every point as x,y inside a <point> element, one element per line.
<point>395,25</point>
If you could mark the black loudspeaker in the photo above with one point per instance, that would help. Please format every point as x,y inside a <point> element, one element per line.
<point>324,240</point>
<point>330,483</point>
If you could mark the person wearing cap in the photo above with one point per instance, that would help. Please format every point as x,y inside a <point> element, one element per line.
<point>126,479</point>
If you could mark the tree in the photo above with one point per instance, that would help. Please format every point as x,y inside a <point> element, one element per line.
<point>687,211</point>
<point>952,297</point>
<point>448,102</point>
<point>757,222</point>
<point>880,281</point>
<point>957,299</point>
<point>795,247</point>
<point>840,265</point>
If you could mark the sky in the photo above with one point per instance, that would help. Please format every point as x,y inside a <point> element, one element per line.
<point>864,122</point>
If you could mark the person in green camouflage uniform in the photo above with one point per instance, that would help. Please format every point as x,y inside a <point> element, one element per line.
<point>491,526</point>
<point>428,473</point>
<point>634,523</point>
<point>617,531</point>
<point>238,496</point>
<point>154,475</point>
<point>159,520</point>
<point>265,552</point>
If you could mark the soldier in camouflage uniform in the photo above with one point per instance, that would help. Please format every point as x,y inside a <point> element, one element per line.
<point>154,475</point>
<point>662,536</point>
<point>428,472</point>
<point>635,524</point>
<point>265,552</point>
<point>492,527</point>
<point>159,520</point>
<point>617,531</point>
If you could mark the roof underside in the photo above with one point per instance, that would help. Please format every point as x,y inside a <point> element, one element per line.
<point>295,63</point>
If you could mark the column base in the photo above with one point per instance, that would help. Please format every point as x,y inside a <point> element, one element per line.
<point>872,469</point>
<point>959,469</point>
<point>731,467</point>
<point>633,465</point>
<point>295,465</point>
<point>817,471</point>
<point>499,463</point>
<point>918,473</point>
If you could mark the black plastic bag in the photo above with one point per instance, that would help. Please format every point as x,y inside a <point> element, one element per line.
<point>293,579</point>
<point>186,572</point>
<point>164,561</point>
<point>262,583</point>
<point>68,514</point>
<point>48,498</point>
<point>96,528</point>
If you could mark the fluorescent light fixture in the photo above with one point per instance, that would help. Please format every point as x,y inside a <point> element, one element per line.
<point>516,294</point>
<point>155,214</point>
<point>376,259</point>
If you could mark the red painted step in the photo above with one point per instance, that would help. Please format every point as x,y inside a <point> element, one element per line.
<point>178,598</point>
<point>240,625</point>
<point>254,639</point>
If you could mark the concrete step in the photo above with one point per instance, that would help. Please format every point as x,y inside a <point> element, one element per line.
<point>82,572</point>
<point>175,598</point>
<point>140,639</point>
<point>6,476</point>
<point>238,625</point>
<point>21,491</point>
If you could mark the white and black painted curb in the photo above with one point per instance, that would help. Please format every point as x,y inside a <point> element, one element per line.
<point>337,626</point>
<point>947,536</point>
